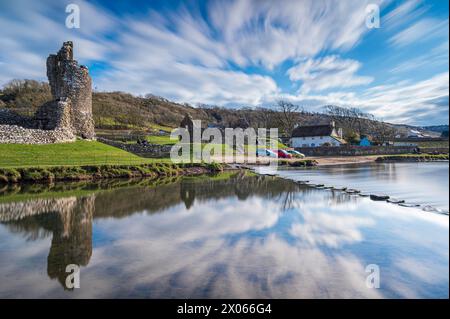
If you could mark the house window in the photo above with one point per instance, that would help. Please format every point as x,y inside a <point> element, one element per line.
<point>312,144</point>
<point>305,145</point>
<point>312,138</point>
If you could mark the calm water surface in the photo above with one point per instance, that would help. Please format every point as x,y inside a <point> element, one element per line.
<point>243,237</point>
<point>425,184</point>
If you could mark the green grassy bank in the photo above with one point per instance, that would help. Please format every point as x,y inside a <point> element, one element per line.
<point>94,172</point>
<point>413,158</point>
<point>83,160</point>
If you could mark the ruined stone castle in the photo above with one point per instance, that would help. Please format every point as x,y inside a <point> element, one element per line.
<point>68,116</point>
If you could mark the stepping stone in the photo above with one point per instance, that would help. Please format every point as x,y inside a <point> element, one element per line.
<point>352,191</point>
<point>364,194</point>
<point>379,197</point>
<point>395,201</point>
<point>409,205</point>
<point>340,188</point>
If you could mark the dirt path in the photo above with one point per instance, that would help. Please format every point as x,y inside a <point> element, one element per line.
<point>344,159</point>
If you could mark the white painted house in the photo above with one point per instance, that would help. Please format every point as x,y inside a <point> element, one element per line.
<point>317,135</point>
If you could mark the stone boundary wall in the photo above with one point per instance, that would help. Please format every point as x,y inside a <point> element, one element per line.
<point>8,117</point>
<point>351,150</point>
<point>434,150</point>
<point>61,130</point>
<point>144,150</point>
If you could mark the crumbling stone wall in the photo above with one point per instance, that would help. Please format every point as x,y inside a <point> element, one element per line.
<point>61,120</point>
<point>61,130</point>
<point>143,150</point>
<point>7,117</point>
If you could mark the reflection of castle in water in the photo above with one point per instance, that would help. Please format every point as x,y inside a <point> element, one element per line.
<point>72,238</point>
<point>69,219</point>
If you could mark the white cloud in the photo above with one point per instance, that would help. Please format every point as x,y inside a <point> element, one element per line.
<point>420,31</point>
<point>328,72</point>
<point>268,33</point>
<point>418,103</point>
<point>436,57</point>
<point>31,30</point>
<point>155,58</point>
<point>404,13</point>
<point>194,57</point>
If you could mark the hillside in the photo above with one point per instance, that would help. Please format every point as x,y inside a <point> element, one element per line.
<point>437,128</point>
<point>123,111</point>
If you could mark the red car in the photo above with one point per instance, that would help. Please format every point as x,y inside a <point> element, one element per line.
<point>283,154</point>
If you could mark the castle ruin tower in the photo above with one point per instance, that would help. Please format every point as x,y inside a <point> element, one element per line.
<point>68,80</point>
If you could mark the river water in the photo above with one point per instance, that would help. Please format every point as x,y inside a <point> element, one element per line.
<point>424,184</point>
<point>247,236</point>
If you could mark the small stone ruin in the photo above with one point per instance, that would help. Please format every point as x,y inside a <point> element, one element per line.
<point>68,116</point>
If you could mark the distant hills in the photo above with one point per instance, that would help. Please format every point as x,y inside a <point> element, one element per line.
<point>118,110</point>
<point>436,128</point>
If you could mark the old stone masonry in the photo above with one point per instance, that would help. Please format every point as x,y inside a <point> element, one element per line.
<point>70,113</point>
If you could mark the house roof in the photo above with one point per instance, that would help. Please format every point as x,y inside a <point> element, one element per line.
<point>340,140</point>
<point>313,130</point>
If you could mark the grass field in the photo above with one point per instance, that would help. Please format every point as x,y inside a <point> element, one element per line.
<point>67,154</point>
<point>79,153</point>
<point>160,139</point>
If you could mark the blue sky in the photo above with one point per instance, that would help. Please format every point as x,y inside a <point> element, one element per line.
<point>247,52</point>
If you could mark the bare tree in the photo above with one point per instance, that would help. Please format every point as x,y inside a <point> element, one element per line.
<point>288,116</point>
<point>266,117</point>
<point>383,132</point>
<point>354,120</point>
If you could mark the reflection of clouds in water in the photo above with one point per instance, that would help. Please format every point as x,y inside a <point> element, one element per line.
<point>328,229</point>
<point>206,220</point>
<point>407,270</point>
<point>24,279</point>
<point>258,268</point>
<point>185,254</point>
<point>422,269</point>
<point>399,213</point>
<point>253,248</point>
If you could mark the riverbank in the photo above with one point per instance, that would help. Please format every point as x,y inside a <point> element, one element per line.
<point>413,158</point>
<point>342,160</point>
<point>95,172</point>
<point>324,161</point>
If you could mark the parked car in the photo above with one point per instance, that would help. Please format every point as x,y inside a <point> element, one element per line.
<point>265,152</point>
<point>283,154</point>
<point>295,153</point>
<point>261,152</point>
<point>271,153</point>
